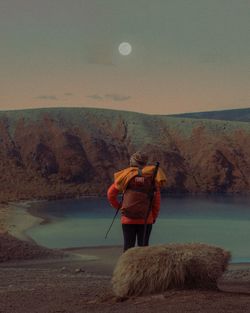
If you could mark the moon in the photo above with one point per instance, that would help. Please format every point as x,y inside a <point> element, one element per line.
<point>125,48</point>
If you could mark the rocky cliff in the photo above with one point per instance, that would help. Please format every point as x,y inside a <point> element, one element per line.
<point>55,153</point>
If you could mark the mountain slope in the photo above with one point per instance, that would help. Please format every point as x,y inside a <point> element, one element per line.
<point>55,153</point>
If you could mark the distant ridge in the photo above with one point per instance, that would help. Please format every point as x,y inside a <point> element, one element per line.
<point>241,115</point>
<point>238,115</point>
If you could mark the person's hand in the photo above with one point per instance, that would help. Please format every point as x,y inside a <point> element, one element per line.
<point>154,221</point>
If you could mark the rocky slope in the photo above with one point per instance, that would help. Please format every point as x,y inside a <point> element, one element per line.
<point>13,249</point>
<point>55,153</point>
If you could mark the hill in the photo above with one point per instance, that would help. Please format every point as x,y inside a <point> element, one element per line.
<point>55,153</point>
<point>242,115</point>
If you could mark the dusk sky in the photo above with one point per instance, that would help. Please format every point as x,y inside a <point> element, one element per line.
<point>187,55</point>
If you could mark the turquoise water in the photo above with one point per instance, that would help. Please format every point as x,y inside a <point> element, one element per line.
<point>218,220</point>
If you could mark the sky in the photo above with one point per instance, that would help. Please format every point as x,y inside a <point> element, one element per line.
<point>187,55</point>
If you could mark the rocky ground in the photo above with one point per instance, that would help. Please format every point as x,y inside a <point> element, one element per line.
<point>13,249</point>
<point>79,284</point>
<point>70,287</point>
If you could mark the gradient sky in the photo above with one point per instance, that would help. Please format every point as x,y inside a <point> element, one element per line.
<point>188,55</point>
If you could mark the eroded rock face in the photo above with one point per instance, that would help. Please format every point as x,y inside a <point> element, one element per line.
<point>45,159</point>
<point>51,154</point>
<point>74,166</point>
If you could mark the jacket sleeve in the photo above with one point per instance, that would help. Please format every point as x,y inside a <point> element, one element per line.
<point>156,204</point>
<point>112,194</point>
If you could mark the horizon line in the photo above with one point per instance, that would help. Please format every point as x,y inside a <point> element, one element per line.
<point>119,110</point>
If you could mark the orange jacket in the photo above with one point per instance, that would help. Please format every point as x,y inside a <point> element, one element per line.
<point>112,194</point>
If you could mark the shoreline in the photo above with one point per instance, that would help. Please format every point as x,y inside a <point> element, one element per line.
<point>18,217</point>
<point>19,220</point>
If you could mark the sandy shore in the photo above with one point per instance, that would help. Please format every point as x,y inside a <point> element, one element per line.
<point>19,220</point>
<point>81,283</point>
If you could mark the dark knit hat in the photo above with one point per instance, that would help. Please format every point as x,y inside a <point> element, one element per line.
<point>138,159</point>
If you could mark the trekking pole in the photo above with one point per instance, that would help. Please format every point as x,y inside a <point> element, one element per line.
<point>150,202</point>
<point>117,210</point>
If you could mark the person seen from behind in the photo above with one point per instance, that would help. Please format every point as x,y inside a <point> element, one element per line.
<point>136,185</point>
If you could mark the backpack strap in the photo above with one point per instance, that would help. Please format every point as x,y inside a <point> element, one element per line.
<point>139,172</point>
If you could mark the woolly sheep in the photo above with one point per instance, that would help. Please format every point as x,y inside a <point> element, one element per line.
<point>154,269</point>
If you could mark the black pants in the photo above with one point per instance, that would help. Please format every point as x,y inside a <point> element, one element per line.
<point>131,232</point>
